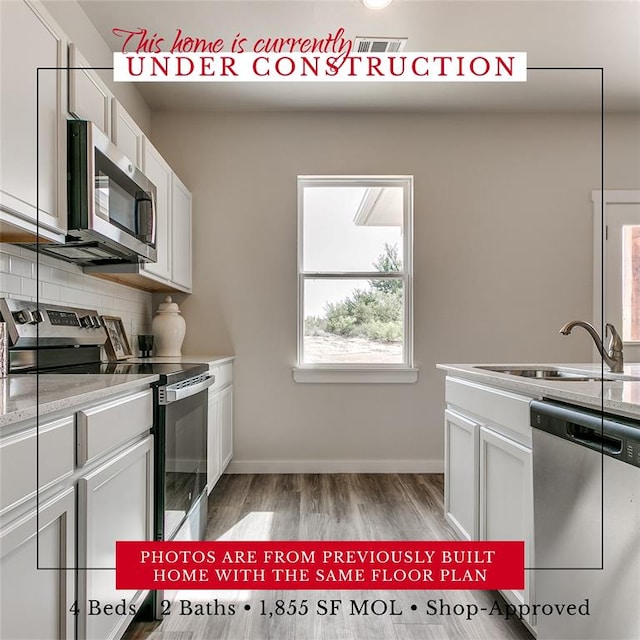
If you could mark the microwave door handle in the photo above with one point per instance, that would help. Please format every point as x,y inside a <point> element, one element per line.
<point>145,207</point>
<point>151,219</point>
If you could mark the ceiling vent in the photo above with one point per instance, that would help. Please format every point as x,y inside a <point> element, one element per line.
<point>378,45</point>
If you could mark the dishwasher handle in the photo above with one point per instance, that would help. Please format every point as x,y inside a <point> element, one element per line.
<point>587,428</point>
<point>594,439</point>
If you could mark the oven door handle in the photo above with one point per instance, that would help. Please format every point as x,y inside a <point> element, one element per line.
<point>169,395</point>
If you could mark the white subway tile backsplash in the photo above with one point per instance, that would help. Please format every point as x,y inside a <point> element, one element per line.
<point>25,274</point>
<point>21,267</point>
<point>76,280</point>
<point>29,287</point>
<point>74,297</point>
<point>11,283</point>
<point>53,275</point>
<point>50,291</point>
<point>93,300</point>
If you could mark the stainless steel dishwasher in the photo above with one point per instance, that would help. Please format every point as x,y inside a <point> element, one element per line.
<point>586,480</point>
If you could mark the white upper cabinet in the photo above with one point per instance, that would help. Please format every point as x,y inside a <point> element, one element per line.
<point>172,269</point>
<point>30,39</point>
<point>42,85</point>
<point>181,234</point>
<point>89,98</point>
<point>159,172</point>
<point>126,134</point>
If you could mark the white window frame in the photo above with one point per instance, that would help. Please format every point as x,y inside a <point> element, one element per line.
<point>605,297</point>
<point>404,372</point>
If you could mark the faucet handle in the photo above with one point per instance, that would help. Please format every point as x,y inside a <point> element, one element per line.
<point>615,341</point>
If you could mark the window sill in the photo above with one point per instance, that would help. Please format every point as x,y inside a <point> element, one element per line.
<point>355,375</point>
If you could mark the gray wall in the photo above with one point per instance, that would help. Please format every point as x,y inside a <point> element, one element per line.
<point>503,257</point>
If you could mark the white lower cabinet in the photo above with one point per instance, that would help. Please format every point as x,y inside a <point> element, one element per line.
<point>226,427</point>
<point>57,547</point>
<point>461,473</point>
<point>220,424</point>
<point>37,582</point>
<point>213,441</point>
<point>488,470</point>
<point>115,502</point>
<point>506,498</point>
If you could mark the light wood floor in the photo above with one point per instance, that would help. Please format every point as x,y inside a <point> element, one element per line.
<point>330,507</point>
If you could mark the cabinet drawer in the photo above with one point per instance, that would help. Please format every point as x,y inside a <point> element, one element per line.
<point>504,411</point>
<point>223,374</point>
<point>105,426</point>
<point>51,443</point>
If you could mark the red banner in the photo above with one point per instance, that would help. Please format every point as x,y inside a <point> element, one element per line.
<point>320,565</point>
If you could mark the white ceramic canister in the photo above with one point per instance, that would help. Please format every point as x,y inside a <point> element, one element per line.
<point>168,327</point>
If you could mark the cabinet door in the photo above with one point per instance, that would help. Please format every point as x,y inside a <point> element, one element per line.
<point>43,451</point>
<point>181,234</point>
<point>30,39</point>
<point>226,427</point>
<point>36,573</point>
<point>126,134</point>
<point>461,474</point>
<point>506,498</point>
<point>213,440</point>
<point>115,502</point>
<point>89,98</point>
<point>159,172</point>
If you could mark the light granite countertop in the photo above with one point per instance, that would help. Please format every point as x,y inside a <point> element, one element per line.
<point>620,396</point>
<point>23,396</point>
<point>187,359</point>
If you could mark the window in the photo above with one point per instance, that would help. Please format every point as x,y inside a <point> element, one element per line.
<point>355,279</point>
<point>621,285</point>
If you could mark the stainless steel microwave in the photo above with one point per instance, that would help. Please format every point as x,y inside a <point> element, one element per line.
<point>111,204</point>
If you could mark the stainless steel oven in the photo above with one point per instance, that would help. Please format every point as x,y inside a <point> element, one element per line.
<point>181,442</point>
<point>180,430</point>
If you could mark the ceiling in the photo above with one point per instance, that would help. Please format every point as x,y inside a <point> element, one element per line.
<point>573,33</point>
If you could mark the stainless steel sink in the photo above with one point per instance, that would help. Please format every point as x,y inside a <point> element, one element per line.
<point>549,373</point>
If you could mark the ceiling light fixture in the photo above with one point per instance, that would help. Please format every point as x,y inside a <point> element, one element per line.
<point>376,4</point>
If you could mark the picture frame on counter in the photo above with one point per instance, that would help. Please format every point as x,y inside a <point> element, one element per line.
<point>117,345</point>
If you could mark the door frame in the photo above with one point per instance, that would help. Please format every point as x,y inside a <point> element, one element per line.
<point>601,199</point>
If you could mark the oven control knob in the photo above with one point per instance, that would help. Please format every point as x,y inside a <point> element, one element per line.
<point>85,321</point>
<point>95,322</point>
<point>37,316</point>
<point>24,316</point>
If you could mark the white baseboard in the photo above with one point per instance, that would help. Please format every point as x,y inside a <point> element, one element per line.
<point>336,466</point>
